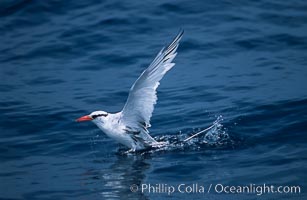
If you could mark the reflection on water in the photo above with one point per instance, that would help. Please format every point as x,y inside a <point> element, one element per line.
<point>115,180</point>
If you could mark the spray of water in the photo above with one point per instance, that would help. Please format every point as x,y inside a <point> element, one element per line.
<point>212,136</point>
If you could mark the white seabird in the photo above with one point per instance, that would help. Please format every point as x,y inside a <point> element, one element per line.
<point>130,126</point>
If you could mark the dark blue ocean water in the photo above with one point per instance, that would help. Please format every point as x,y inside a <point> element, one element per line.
<point>243,63</point>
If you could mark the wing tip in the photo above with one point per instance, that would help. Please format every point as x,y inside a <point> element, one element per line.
<point>177,38</point>
<point>181,32</point>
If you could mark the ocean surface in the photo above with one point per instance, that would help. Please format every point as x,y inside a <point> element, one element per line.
<point>241,65</point>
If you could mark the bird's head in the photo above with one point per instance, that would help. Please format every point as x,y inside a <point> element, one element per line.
<point>96,116</point>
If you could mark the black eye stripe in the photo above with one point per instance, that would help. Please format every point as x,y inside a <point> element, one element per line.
<point>99,115</point>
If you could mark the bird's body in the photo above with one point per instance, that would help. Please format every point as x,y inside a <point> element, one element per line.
<point>115,128</point>
<point>130,126</point>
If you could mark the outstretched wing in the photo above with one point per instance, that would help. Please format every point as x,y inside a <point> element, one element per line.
<point>142,96</point>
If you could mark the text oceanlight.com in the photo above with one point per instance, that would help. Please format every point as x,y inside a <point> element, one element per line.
<point>196,188</point>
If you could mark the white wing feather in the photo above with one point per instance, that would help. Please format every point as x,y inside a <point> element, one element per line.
<point>142,96</point>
